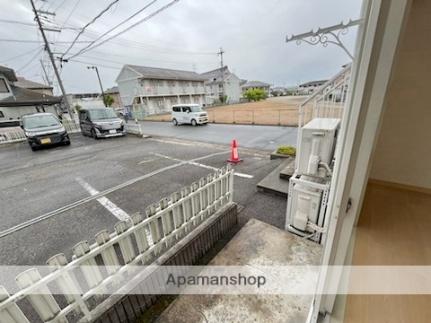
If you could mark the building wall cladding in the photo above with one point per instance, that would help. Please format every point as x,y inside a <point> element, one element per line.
<point>402,154</point>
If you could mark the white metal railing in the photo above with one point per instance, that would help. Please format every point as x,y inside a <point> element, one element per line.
<point>328,101</point>
<point>140,241</point>
<point>12,135</point>
<point>17,134</point>
<point>71,126</point>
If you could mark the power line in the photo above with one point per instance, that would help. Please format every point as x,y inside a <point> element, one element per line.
<point>17,22</point>
<point>89,23</point>
<point>71,13</point>
<point>30,61</point>
<point>21,55</point>
<point>30,41</point>
<point>60,5</point>
<point>120,24</point>
<point>128,28</point>
<point>90,63</point>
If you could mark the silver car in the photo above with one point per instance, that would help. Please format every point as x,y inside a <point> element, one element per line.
<point>100,123</point>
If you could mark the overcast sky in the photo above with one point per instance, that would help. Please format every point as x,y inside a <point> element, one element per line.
<point>185,36</point>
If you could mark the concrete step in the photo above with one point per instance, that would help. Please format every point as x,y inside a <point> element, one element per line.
<point>272,183</point>
<point>287,172</point>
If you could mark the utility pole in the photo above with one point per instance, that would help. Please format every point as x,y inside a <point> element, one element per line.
<point>51,57</point>
<point>100,83</point>
<point>221,52</point>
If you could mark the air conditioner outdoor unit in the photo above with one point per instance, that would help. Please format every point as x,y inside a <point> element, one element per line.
<point>316,147</point>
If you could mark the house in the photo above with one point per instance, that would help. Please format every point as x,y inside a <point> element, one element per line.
<point>34,86</point>
<point>85,100</point>
<point>16,101</point>
<point>115,94</point>
<point>150,90</point>
<point>221,81</point>
<point>309,87</point>
<point>278,91</point>
<point>255,85</point>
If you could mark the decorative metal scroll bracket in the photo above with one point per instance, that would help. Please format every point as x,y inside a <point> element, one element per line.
<point>327,35</point>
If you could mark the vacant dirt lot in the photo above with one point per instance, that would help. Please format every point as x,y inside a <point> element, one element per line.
<point>272,111</point>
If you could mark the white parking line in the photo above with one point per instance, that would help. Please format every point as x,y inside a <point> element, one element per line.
<point>87,199</point>
<point>107,203</point>
<point>191,162</point>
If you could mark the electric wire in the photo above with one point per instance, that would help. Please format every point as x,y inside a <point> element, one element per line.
<point>120,24</point>
<point>30,61</point>
<point>20,55</point>
<point>89,23</point>
<point>146,18</point>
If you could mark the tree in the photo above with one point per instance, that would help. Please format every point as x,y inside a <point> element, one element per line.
<point>108,100</point>
<point>255,94</point>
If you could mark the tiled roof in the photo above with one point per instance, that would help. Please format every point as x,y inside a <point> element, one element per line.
<point>215,76</point>
<point>25,97</point>
<point>112,90</point>
<point>9,73</point>
<point>166,74</point>
<point>255,84</point>
<point>27,84</point>
<point>313,83</point>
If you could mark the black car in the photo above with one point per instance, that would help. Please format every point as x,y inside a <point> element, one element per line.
<point>44,129</point>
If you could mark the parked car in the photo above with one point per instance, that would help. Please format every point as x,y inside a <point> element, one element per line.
<point>100,123</point>
<point>43,129</point>
<point>189,113</point>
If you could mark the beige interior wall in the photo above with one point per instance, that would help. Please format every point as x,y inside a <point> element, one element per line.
<point>403,152</point>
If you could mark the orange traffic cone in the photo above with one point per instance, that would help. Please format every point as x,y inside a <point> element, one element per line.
<point>234,158</point>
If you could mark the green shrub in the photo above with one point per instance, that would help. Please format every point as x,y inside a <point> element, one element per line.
<point>255,94</point>
<point>286,150</point>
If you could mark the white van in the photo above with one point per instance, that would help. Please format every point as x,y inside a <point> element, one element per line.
<point>188,113</point>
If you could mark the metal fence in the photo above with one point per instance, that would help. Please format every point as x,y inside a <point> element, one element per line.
<point>16,134</point>
<point>139,241</point>
<point>328,101</point>
<point>276,117</point>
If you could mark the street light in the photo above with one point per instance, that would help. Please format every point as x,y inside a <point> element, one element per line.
<point>100,82</point>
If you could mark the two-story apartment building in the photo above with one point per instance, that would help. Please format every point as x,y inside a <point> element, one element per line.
<point>16,101</point>
<point>309,87</point>
<point>150,90</point>
<point>222,82</point>
<point>246,85</point>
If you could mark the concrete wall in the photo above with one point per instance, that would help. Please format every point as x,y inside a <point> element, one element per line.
<point>403,151</point>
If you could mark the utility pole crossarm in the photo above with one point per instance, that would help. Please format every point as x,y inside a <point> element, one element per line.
<point>326,35</point>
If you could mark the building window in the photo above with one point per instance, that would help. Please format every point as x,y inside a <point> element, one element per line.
<point>171,83</point>
<point>3,86</point>
<point>1,114</point>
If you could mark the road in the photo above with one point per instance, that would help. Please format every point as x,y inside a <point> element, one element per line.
<point>259,137</point>
<point>46,196</point>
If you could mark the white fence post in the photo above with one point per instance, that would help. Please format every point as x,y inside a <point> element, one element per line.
<point>167,222</point>
<point>125,242</point>
<point>109,256</point>
<point>89,267</point>
<point>43,303</point>
<point>11,313</point>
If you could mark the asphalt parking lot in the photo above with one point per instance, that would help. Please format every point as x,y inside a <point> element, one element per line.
<point>257,137</point>
<point>47,205</point>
